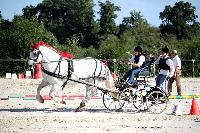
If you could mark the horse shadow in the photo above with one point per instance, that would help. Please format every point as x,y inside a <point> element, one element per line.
<point>49,110</point>
<point>69,110</point>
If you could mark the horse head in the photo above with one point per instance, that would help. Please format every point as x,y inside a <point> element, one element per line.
<point>35,56</point>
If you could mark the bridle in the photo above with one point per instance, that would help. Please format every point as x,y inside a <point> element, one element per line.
<point>53,74</point>
<point>35,58</point>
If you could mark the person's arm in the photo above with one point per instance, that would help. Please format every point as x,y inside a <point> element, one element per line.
<point>178,63</point>
<point>177,67</point>
<point>171,65</point>
<point>157,60</point>
<point>131,60</point>
<point>141,61</point>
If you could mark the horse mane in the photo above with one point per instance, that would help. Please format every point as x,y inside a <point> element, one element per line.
<point>64,54</point>
<point>52,48</point>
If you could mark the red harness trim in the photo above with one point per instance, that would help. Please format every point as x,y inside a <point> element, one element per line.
<point>64,54</point>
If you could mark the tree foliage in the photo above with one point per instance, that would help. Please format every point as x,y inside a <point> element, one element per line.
<point>1,16</point>
<point>16,39</point>
<point>29,12</point>
<point>135,20</point>
<point>107,18</point>
<point>66,18</point>
<point>179,20</point>
<point>69,25</point>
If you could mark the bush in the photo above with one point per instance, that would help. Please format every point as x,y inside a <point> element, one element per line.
<point>16,40</point>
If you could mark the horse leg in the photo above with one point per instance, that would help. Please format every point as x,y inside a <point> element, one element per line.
<point>109,83</point>
<point>55,90</point>
<point>38,96</point>
<point>89,93</point>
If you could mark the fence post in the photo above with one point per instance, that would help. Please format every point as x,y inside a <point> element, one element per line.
<point>154,70</point>
<point>193,60</point>
<point>114,61</point>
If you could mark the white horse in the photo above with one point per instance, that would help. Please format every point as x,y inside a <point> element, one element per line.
<point>57,70</point>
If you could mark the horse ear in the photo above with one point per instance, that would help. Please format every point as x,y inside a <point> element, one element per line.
<point>33,45</point>
<point>40,43</point>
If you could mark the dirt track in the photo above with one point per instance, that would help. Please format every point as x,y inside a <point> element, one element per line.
<point>18,115</point>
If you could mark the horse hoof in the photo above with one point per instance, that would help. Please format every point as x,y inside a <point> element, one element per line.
<point>40,99</point>
<point>62,102</point>
<point>81,107</point>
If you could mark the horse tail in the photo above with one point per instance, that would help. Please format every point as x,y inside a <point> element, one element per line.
<point>109,79</point>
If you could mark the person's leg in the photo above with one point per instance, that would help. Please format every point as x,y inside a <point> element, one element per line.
<point>133,74</point>
<point>169,88</point>
<point>160,80</point>
<point>127,74</point>
<point>178,84</point>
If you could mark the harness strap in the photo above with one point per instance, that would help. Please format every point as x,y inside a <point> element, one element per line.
<point>95,71</point>
<point>59,61</point>
<point>101,69</point>
<point>70,70</point>
<point>53,74</point>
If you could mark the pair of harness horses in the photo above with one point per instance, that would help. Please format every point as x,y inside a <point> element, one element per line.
<point>58,71</point>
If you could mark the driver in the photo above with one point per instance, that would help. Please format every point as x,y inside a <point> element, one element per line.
<point>137,62</point>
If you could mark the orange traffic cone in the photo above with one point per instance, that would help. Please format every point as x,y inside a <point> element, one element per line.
<point>194,108</point>
<point>38,72</point>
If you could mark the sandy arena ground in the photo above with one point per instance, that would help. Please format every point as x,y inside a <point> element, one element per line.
<point>21,116</point>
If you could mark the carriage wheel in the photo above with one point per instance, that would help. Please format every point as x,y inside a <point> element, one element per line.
<point>157,102</point>
<point>112,103</point>
<point>138,98</point>
<point>132,100</point>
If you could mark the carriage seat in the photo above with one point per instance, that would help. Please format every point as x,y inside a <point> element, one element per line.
<point>144,74</point>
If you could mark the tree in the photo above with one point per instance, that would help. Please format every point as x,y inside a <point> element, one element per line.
<point>179,20</point>
<point>67,18</point>
<point>15,42</point>
<point>107,16</point>
<point>29,12</point>
<point>4,24</point>
<point>1,20</point>
<point>1,17</point>
<point>135,20</point>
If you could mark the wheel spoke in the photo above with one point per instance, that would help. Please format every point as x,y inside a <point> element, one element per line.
<point>157,102</point>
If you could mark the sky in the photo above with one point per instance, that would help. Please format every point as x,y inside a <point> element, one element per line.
<point>150,9</point>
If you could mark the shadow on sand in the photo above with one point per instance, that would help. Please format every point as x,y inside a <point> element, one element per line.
<point>49,110</point>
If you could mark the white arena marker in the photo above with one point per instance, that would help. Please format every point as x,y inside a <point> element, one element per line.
<point>28,74</point>
<point>14,76</point>
<point>8,76</point>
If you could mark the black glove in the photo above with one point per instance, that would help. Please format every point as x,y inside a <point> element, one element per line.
<point>167,78</point>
